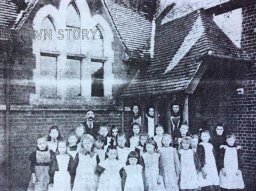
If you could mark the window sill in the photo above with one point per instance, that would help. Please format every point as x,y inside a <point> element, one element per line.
<point>74,101</point>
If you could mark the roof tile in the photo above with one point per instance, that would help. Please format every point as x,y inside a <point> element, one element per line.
<point>8,13</point>
<point>133,28</point>
<point>170,37</point>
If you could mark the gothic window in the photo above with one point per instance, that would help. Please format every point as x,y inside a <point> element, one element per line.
<point>97,75</point>
<point>73,29</point>
<point>48,60</point>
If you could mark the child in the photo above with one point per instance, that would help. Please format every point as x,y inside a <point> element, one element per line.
<point>150,159</point>
<point>132,173</point>
<point>99,148</point>
<point>73,148</point>
<point>190,166</point>
<point>85,165</point>
<point>230,175</point>
<point>113,135</point>
<point>170,164</point>
<point>194,142</point>
<point>79,131</point>
<point>42,165</point>
<point>183,133</point>
<point>62,179</point>
<point>122,151</point>
<point>159,136</point>
<point>134,140</point>
<point>53,138</point>
<point>103,131</point>
<point>110,171</point>
<point>150,122</point>
<point>209,179</point>
<point>143,138</point>
<point>218,139</point>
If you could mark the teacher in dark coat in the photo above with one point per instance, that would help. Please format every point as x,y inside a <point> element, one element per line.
<point>91,127</point>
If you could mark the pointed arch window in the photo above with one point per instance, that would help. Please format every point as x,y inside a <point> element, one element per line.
<point>47,35</point>
<point>48,59</point>
<point>97,43</point>
<point>72,67</point>
<point>73,27</point>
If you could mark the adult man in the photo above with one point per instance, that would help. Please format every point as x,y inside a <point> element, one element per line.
<point>91,127</point>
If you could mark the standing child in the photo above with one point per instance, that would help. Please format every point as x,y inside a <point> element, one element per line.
<point>153,180</point>
<point>159,136</point>
<point>184,131</point>
<point>99,148</point>
<point>110,171</point>
<point>143,139</point>
<point>190,167</point>
<point>53,138</point>
<point>85,165</point>
<point>113,135</point>
<point>103,131</point>
<point>170,164</point>
<point>42,165</point>
<point>230,175</point>
<point>122,150</point>
<point>73,148</point>
<point>219,137</point>
<point>135,138</point>
<point>194,142</point>
<point>62,180</point>
<point>79,131</point>
<point>132,173</point>
<point>209,179</point>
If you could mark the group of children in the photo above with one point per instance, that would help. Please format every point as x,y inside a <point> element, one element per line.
<point>112,162</point>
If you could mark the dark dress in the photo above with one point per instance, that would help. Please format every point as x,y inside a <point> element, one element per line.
<point>217,141</point>
<point>175,121</point>
<point>92,131</point>
<point>43,164</point>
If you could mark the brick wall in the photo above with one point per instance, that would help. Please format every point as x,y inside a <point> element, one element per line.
<point>27,121</point>
<point>209,104</point>
<point>22,84</point>
<point>243,109</point>
<point>27,125</point>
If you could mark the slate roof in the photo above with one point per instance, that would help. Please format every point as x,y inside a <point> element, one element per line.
<point>8,13</point>
<point>172,39</point>
<point>134,30</point>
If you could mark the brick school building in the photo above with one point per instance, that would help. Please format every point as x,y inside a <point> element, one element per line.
<point>59,59</point>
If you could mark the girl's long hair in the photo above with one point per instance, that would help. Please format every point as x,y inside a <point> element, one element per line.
<point>61,141</point>
<point>152,142</point>
<point>111,147</point>
<point>59,138</point>
<point>133,154</point>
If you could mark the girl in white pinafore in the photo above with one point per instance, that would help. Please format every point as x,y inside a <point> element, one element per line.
<point>209,180</point>
<point>86,178</point>
<point>230,174</point>
<point>62,179</point>
<point>170,164</point>
<point>189,166</point>
<point>133,173</point>
<point>153,179</point>
<point>110,179</point>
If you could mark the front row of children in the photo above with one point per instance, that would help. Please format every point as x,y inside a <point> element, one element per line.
<point>85,164</point>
